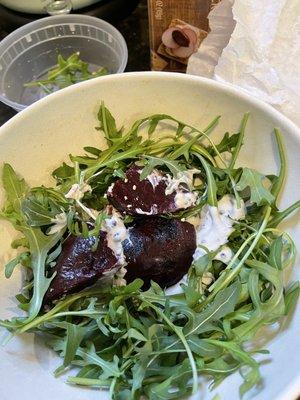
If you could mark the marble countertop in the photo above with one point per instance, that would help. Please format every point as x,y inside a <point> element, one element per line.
<point>135,31</point>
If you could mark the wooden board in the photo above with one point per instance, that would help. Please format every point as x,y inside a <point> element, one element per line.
<point>164,14</point>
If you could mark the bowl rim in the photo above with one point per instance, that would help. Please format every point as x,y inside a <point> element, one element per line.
<point>46,22</point>
<point>141,75</point>
<point>292,390</point>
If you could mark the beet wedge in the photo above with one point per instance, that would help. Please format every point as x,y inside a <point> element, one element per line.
<point>159,249</point>
<point>136,197</point>
<point>78,266</point>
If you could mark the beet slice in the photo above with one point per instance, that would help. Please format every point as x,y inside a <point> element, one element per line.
<point>135,197</point>
<point>159,249</point>
<point>78,266</point>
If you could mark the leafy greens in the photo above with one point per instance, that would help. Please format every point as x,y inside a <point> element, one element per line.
<point>134,342</point>
<point>67,72</point>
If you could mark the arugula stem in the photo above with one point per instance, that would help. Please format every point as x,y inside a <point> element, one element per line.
<point>89,382</point>
<point>211,184</point>
<point>279,217</point>
<point>276,188</point>
<point>127,154</point>
<point>240,141</point>
<point>212,124</point>
<point>59,306</point>
<point>112,388</point>
<point>178,152</point>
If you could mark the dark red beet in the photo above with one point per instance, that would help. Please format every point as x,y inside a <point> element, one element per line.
<point>159,249</point>
<point>135,197</point>
<point>78,267</point>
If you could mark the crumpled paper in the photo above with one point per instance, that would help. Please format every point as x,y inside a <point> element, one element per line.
<point>255,45</point>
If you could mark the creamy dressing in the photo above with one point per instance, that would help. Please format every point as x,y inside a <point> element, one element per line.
<point>182,185</point>
<point>216,225</point>
<point>119,277</point>
<point>116,233</point>
<point>225,254</point>
<point>110,188</point>
<point>212,231</point>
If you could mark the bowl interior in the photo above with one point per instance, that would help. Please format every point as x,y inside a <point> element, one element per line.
<point>42,136</point>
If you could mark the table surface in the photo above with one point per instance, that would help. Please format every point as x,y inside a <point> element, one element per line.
<point>135,31</point>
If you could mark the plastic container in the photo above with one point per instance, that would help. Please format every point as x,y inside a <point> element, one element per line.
<point>28,53</point>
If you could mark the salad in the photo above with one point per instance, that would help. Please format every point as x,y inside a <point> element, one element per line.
<point>67,72</point>
<point>154,261</point>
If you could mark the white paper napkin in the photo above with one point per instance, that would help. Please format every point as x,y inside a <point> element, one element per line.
<point>255,44</point>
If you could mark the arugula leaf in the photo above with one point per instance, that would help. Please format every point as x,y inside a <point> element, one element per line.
<point>227,143</point>
<point>109,368</point>
<point>67,72</point>
<point>108,125</point>
<point>253,180</point>
<point>15,187</point>
<point>173,166</point>
<point>39,243</point>
<point>291,297</point>
<point>41,206</point>
<point>63,173</point>
<point>74,336</point>
<point>211,184</point>
<point>223,304</point>
<point>20,259</point>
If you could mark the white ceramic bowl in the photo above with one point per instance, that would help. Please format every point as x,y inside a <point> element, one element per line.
<point>40,137</point>
<point>38,6</point>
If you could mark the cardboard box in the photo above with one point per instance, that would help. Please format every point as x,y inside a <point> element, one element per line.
<point>177,28</point>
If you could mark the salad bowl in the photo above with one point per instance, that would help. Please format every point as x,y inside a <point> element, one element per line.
<point>42,136</point>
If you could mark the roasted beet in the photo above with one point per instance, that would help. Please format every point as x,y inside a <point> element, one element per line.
<point>78,266</point>
<point>155,249</point>
<point>135,197</point>
<point>159,249</point>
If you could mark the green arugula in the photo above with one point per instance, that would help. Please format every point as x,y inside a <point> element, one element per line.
<point>254,181</point>
<point>67,72</point>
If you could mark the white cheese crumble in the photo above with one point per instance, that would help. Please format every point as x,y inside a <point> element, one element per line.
<point>110,188</point>
<point>207,278</point>
<point>153,210</point>
<point>194,220</point>
<point>185,199</point>
<point>184,177</point>
<point>77,191</point>
<point>59,223</point>
<point>182,185</point>
<point>155,178</point>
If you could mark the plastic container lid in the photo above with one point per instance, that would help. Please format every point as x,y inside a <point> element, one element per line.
<point>28,53</point>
